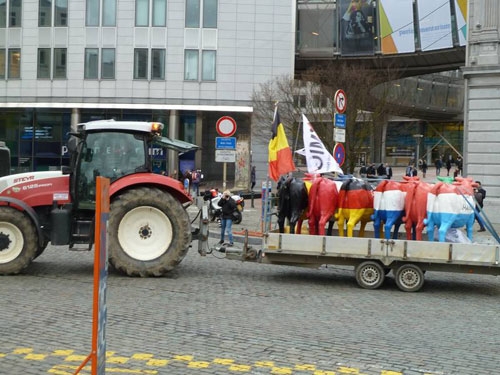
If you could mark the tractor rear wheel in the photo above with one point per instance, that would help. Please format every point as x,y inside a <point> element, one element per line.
<point>149,232</point>
<point>18,241</point>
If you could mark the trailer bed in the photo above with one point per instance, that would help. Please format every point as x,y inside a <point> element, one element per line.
<point>373,258</point>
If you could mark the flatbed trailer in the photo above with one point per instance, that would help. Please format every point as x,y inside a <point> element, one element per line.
<point>374,258</point>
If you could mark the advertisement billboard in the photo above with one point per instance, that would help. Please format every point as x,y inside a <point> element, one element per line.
<point>435,24</point>
<point>461,12</point>
<point>396,26</point>
<point>356,27</point>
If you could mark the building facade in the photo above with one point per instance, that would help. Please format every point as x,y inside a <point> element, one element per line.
<point>185,63</point>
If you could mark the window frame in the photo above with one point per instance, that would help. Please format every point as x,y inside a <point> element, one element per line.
<point>102,73</point>
<point>47,65</point>
<point>137,53</point>
<point>195,66</point>
<point>63,66</point>
<point>86,66</point>
<point>163,55</point>
<point>10,67</point>
<point>213,62</point>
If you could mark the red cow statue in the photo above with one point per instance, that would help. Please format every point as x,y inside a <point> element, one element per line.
<point>415,207</point>
<point>355,205</point>
<point>323,200</point>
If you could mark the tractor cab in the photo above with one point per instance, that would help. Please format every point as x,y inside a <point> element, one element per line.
<point>114,149</point>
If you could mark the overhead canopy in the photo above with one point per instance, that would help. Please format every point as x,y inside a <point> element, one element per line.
<point>175,144</point>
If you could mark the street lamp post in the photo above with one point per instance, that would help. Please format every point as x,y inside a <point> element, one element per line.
<point>418,139</point>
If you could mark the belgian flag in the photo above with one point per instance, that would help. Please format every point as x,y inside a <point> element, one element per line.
<point>280,155</point>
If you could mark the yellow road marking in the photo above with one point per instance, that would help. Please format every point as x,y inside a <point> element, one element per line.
<point>117,359</point>
<point>305,367</point>
<point>157,362</point>
<point>35,357</point>
<point>281,370</point>
<point>321,372</point>
<point>142,356</point>
<point>62,353</point>
<point>183,357</point>
<point>240,368</point>
<point>23,351</point>
<point>223,361</point>
<point>198,364</point>
<point>348,370</point>
<point>264,364</point>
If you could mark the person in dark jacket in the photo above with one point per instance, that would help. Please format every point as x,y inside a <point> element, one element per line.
<point>228,206</point>
<point>479,194</point>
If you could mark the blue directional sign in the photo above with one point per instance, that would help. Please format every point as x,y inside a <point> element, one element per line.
<point>225,143</point>
<point>340,120</point>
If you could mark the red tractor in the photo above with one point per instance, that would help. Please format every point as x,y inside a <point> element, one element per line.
<point>149,231</point>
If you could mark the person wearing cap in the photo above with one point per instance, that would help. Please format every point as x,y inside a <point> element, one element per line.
<point>228,206</point>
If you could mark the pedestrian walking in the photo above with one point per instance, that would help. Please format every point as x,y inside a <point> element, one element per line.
<point>479,194</point>
<point>228,206</point>
<point>439,164</point>
<point>460,165</point>
<point>195,182</point>
<point>253,177</point>
<point>448,165</point>
<point>388,171</point>
<point>424,168</point>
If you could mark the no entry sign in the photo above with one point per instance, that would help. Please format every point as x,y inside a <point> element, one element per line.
<point>226,126</point>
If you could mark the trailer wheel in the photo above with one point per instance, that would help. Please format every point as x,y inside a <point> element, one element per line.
<point>18,241</point>
<point>149,232</point>
<point>409,278</point>
<point>370,274</point>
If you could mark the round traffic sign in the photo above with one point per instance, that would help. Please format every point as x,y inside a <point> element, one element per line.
<point>339,153</point>
<point>226,126</point>
<point>340,101</point>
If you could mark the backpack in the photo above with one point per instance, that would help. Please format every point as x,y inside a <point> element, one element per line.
<point>195,177</point>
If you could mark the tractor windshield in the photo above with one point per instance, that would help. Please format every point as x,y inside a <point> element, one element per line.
<point>111,155</point>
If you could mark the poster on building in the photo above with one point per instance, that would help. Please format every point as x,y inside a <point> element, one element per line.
<point>242,164</point>
<point>396,26</point>
<point>461,12</point>
<point>435,24</point>
<point>356,27</point>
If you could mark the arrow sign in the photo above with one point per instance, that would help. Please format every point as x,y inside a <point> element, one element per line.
<point>340,101</point>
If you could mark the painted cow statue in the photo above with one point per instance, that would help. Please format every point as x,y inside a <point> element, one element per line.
<point>355,205</point>
<point>450,206</point>
<point>415,207</point>
<point>389,207</point>
<point>323,201</point>
<point>292,201</point>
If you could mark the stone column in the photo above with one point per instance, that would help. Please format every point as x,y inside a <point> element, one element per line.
<point>173,133</point>
<point>75,118</point>
<point>482,98</point>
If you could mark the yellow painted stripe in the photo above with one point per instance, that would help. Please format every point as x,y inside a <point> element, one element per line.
<point>198,364</point>
<point>223,361</point>
<point>36,357</point>
<point>142,356</point>
<point>117,359</point>
<point>157,362</point>
<point>240,368</point>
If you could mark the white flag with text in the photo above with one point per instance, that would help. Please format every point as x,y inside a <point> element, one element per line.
<point>318,159</point>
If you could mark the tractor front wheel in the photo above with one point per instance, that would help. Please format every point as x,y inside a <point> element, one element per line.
<point>149,232</point>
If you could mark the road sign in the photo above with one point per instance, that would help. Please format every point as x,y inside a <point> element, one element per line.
<point>226,126</point>
<point>339,153</point>
<point>339,135</point>
<point>340,120</point>
<point>226,143</point>
<point>340,101</point>
<point>225,156</point>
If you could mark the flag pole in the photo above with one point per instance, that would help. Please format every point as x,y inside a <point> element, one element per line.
<point>266,210</point>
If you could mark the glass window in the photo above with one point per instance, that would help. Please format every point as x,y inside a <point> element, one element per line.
<point>141,12</point>
<point>140,63</point>
<point>44,13</point>
<point>15,63</point>
<point>61,13</point>
<point>192,13</point>
<point>158,64</point>
<point>2,63</point>
<point>159,12</point>
<point>91,63</point>
<point>210,13</point>
<point>3,13</point>
<point>108,63</point>
<point>208,66</point>
<point>92,13</point>
<point>191,64</point>
<point>59,63</point>
<point>43,70</point>
<point>15,14</point>
<point>109,13</point>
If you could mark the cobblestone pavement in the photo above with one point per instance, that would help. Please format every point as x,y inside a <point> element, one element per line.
<point>216,316</point>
